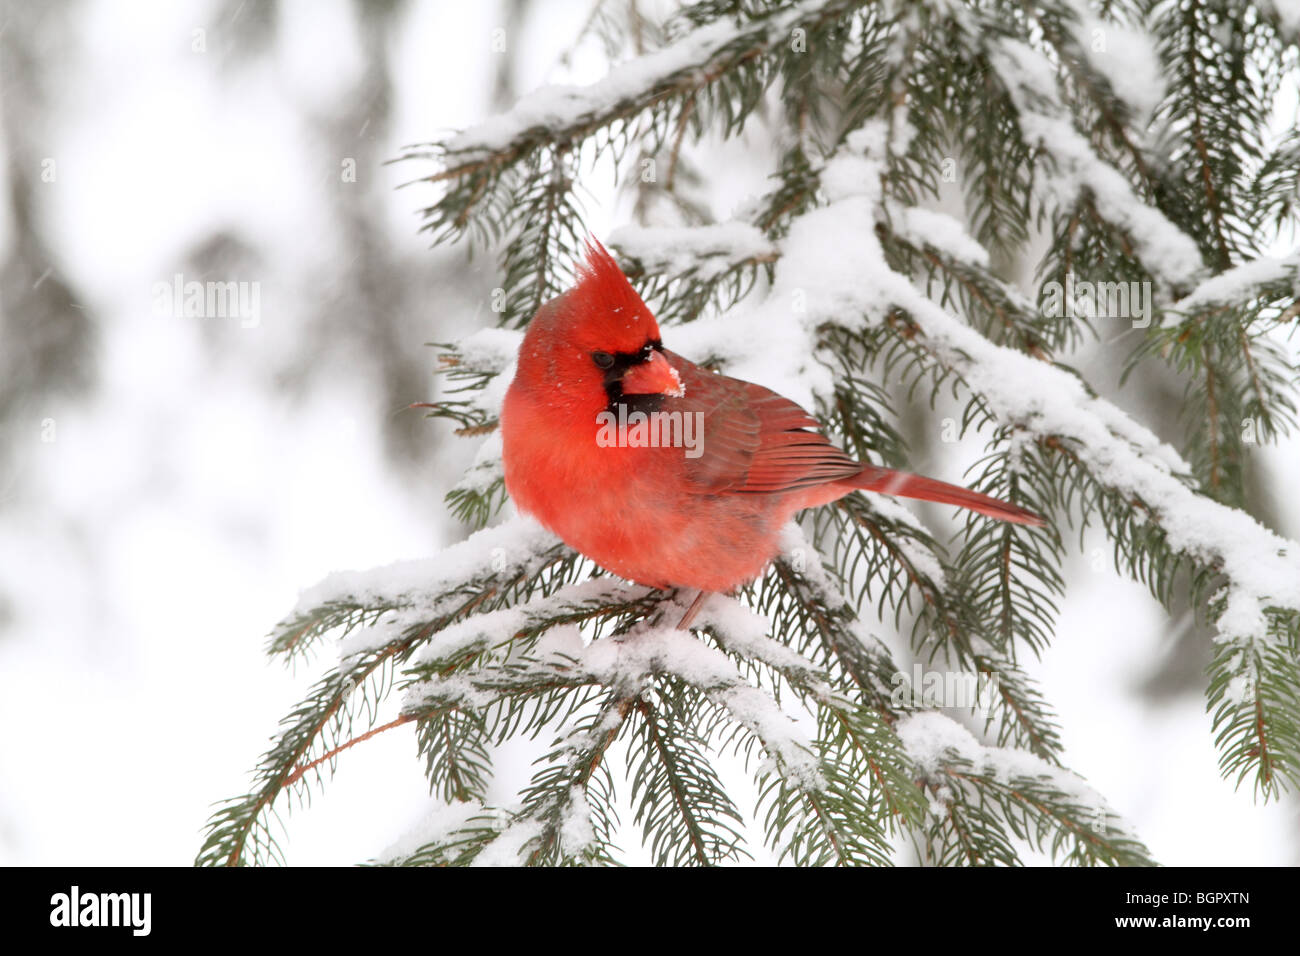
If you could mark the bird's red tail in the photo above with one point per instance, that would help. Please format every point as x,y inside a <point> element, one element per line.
<point>907,485</point>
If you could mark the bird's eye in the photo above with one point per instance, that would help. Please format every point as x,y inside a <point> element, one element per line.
<point>603,359</point>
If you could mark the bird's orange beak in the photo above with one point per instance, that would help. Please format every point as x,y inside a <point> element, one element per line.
<point>654,376</point>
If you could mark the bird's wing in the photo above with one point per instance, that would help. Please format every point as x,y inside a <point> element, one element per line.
<point>754,440</point>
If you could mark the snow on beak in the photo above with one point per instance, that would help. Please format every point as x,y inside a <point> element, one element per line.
<point>654,376</point>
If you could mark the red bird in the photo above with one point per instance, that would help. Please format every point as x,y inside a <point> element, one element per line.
<point>703,508</point>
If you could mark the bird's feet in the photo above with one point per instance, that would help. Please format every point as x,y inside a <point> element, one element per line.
<point>685,623</point>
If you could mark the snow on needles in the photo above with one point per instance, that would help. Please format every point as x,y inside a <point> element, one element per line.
<point>1262,569</point>
<point>933,740</point>
<point>667,650</point>
<point>1168,252</point>
<point>565,107</point>
<point>744,633</point>
<point>508,545</point>
<point>493,628</point>
<point>440,822</point>
<point>414,588</point>
<point>926,227</point>
<point>704,251</point>
<point>508,847</point>
<point>1125,56</point>
<point>629,662</point>
<point>490,350</point>
<point>821,267</point>
<point>1241,283</point>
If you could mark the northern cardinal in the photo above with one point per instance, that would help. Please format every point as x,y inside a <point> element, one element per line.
<point>704,512</point>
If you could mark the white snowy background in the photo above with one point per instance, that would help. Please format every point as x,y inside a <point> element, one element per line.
<point>202,473</point>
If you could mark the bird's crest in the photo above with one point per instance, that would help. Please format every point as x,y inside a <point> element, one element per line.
<point>606,300</point>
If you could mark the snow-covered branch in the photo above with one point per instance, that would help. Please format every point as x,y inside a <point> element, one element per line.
<point>516,545</point>
<point>692,250</point>
<point>1243,282</point>
<point>1041,797</point>
<point>1166,251</point>
<point>560,114</point>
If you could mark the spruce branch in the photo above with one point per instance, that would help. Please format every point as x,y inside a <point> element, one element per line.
<point>971,786</point>
<point>509,635</point>
<point>474,161</point>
